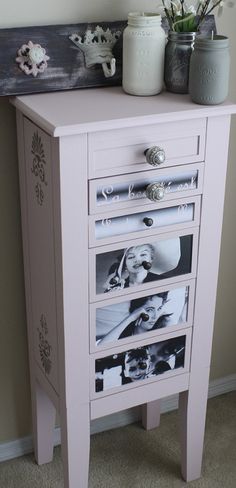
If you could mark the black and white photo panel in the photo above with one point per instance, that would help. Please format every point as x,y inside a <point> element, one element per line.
<point>142,315</point>
<point>139,364</point>
<point>143,263</point>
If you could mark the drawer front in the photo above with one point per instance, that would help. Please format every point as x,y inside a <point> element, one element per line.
<point>162,217</point>
<point>145,362</point>
<point>144,315</point>
<point>131,190</point>
<point>139,265</point>
<point>123,150</point>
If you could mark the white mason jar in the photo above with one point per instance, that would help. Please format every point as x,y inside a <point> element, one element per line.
<point>143,54</point>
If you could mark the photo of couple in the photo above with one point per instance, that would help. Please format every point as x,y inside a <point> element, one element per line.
<point>139,364</point>
<point>141,315</point>
<point>143,263</point>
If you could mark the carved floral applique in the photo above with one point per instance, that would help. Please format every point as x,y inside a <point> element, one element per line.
<point>38,167</point>
<point>44,347</point>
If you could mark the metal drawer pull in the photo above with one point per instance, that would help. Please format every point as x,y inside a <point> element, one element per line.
<point>155,192</point>
<point>144,317</point>
<point>155,155</point>
<point>148,221</point>
<point>115,280</point>
<point>146,265</point>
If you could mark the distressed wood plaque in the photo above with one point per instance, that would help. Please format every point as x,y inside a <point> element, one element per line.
<point>66,68</point>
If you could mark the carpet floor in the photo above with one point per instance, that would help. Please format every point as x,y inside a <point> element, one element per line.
<point>131,457</point>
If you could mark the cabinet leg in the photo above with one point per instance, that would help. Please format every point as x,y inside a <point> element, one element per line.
<point>75,444</point>
<point>44,416</point>
<point>151,413</point>
<point>192,407</point>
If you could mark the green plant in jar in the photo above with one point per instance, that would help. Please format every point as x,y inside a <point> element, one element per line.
<point>185,17</point>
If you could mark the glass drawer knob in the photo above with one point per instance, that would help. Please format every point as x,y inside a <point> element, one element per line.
<point>155,192</point>
<point>148,221</point>
<point>155,155</point>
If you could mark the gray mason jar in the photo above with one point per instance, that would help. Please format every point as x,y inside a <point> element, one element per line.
<point>209,70</point>
<point>177,58</point>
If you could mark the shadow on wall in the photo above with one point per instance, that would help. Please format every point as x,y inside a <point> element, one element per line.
<point>15,396</point>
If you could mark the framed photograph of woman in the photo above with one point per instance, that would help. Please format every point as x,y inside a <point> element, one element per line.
<point>169,308</point>
<point>141,363</point>
<point>143,264</point>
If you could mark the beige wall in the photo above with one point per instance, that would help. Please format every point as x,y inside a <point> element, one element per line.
<point>14,377</point>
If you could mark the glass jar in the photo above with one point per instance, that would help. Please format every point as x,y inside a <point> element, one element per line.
<point>143,54</point>
<point>177,59</point>
<point>209,70</point>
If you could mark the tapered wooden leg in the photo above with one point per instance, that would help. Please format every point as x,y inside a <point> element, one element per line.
<point>75,444</point>
<point>44,416</point>
<point>192,406</point>
<point>151,413</point>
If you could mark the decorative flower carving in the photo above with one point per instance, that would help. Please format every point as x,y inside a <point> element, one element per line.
<point>32,58</point>
<point>44,346</point>
<point>38,166</point>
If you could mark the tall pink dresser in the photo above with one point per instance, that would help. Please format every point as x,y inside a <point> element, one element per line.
<point>122,204</point>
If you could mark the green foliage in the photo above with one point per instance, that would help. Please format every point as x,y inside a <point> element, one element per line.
<point>183,17</point>
<point>188,23</point>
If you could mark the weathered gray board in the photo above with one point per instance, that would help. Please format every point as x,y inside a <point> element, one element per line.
<point>66,68</point>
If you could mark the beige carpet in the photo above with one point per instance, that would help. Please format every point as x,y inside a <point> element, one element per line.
<point>130,457</point>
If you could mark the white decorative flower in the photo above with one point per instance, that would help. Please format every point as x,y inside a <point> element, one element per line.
<point>176,5</point>
<point>191,10</point>
<point>187,15</point>
<point>32,59</point>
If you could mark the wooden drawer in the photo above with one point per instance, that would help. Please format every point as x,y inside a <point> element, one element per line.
<point>142,264</point>
<point>130,190</point>
<point>145,314</point>
<point>122,150</point>
<point>142,363</point>
<point>154,219</point>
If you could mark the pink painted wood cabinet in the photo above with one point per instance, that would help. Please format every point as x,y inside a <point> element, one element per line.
<point>122,203</point>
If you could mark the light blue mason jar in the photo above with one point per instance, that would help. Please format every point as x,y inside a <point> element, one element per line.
<point>209,70</point>
<point>177,59</point>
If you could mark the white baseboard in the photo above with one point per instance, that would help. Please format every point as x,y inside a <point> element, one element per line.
<point>19,447</point>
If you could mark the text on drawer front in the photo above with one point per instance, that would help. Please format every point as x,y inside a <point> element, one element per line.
<point>135,222</point>
<point>133,190</point>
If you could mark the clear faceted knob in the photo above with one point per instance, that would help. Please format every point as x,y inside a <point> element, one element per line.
<point>155,192</point>
<point>155,155</point>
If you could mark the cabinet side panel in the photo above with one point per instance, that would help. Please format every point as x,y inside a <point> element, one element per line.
<point>41,249</point>
<point>210,239</point>
<point>24,226</point>
<point>71,240</point>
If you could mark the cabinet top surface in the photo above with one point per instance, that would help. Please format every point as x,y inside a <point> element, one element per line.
<point>76,112</point>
